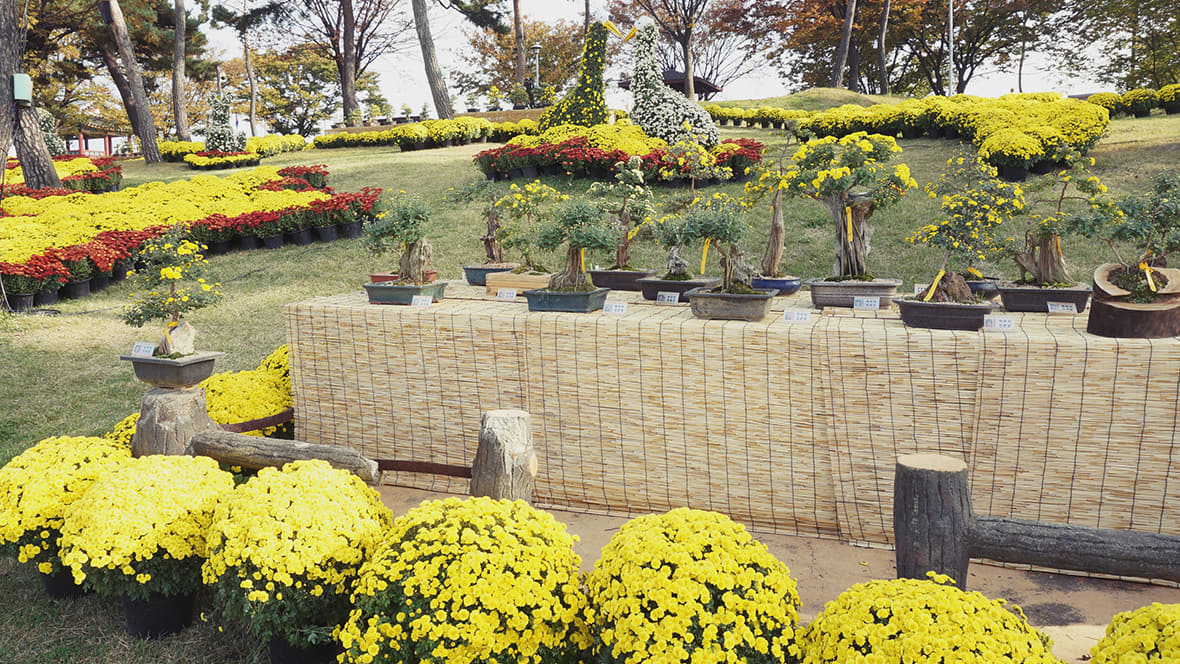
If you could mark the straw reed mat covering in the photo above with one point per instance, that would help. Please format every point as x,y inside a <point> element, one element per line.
<point>786,426</point>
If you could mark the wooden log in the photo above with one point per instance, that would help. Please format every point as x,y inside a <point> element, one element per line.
<point>168,419</point>
<point>931,516</point>
<point>1131,320</point>
<point>505,465</point>
<point>254,452</point>
<point>1099,551</point>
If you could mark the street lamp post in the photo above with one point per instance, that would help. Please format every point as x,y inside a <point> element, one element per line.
<point>536,49</point>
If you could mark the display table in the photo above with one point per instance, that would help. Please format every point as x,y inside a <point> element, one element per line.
<point>792,427</point>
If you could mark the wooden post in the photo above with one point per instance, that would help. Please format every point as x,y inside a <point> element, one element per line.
<point>505,465</point>
<point>254,452</point>
<point>931,517</point>
<point>168,420</point>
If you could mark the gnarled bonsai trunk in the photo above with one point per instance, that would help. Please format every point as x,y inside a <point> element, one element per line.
<point>412,265</point>
<point>851,250</point>
<point>490,246</point>
<point>733,268</point>
<point>573,277</point>
<point>774,244</point>
<point>1043,261</point>
<point>676,265</point>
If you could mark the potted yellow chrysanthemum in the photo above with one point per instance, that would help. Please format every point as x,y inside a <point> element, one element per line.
<point>474,580</point>
<point>285,549</point>
<point>171,282</point>
<point>139,532</point>
<point>37,486</point>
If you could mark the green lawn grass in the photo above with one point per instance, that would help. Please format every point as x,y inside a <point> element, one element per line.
<point>61,375</point>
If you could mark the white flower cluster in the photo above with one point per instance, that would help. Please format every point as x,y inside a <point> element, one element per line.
<point>53,142</point>
<point>222,137</point>
<point>661,111</point>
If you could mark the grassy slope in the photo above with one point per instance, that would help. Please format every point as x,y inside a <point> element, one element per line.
<point>60,375</point>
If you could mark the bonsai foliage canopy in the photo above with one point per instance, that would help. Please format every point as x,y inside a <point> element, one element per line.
<point>578,226</point>
<point>850,177</point>
<point>402,228</point>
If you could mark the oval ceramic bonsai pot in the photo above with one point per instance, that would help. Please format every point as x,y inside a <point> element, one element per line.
<point>651,287</point>
<point>784,285</point>
<point>844,293</point>
<point>395,292</point>
<point>985,287</point>
<point>176,373</point>
<point>477,275</point>
<point>542,299</point>
<point>619,279</point>
<point>379,277</point>
<point>730,306</point>
<point>943,315</point>
<point>1036,299</point>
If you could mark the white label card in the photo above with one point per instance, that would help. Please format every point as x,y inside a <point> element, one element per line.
<point>1062,307</point>
<point>796,315</point>
<point>143,349</point>
<point>991,322</point>
<point>667,297</point>
<point>866,303</point>
<point>920,288</point>
<point>614,308</point>
<point>505,293</point>
<point>421,301</point>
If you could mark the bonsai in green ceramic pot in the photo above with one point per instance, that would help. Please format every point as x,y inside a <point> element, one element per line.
<point>576,227</point>
<point>402,229</point>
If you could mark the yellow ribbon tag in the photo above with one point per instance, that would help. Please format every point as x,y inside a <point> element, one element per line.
<point>848,218</point>
<point>1147,272</point>
<point>582,255</point>
<point>933,285</point>
<point>1058,238</point>
<point>974,272</point>
<point>705,254</point>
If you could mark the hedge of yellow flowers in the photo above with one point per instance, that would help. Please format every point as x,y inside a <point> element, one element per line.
<point>691,586</point>
<point>628,138</point>
<point>476,580</point>
<point>409,135</point>
<point>1145,635</point>
<point>235,160</point>
<point>264,146</point>
<point>64,168</point>
<point>140,528</point>
<point>60,221</point>
<point>36,487</point>
<point>285,549</point>
<point>919,620</point>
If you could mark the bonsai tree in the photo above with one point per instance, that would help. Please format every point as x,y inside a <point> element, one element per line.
<point>771,174</point>
<point>631,210</point>
<point>1054,206</point>
<point>578,226</point>
<point>402,228</point>
<point>850,177</point>
<point>718,220</point>
<point>171,282</point>
<point>974,203</point>
<point>1150,222</point>
<point>523,207</point>
<point>675,233</point>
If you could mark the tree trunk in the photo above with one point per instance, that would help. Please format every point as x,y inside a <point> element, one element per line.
<point>412,267</point>
<point>255,452</point>
<point>9,53</point>
<point>854,68</point>
<point>348,62</point>
<point>851,252</point>
<point>141,120</point>
<point>179,98</point>
<point>882,73</point>
<point>252,85</point>
<point>1044,262</point>
<point>438,88</point>
<point>111,60</point>
<point>35,160</point>
<point>845,39</point>
<point>518,37</point>
<point>689,78</point>
<point>774,244</point>
<point>491,245</point>
<point>586,20</point>
<point>505,465</point>
<point>931,517</point>
<point>169,419</point>
<point>573,278</point>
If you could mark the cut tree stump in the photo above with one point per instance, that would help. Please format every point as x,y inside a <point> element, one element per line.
<point>1131,320</point>
<point>254,452</point>
<point>505,465</point>
<point>931,517</point>
<point>168,419</point>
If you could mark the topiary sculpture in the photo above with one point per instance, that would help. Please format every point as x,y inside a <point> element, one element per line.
<point>584,104</point>
<point>660,110</point>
